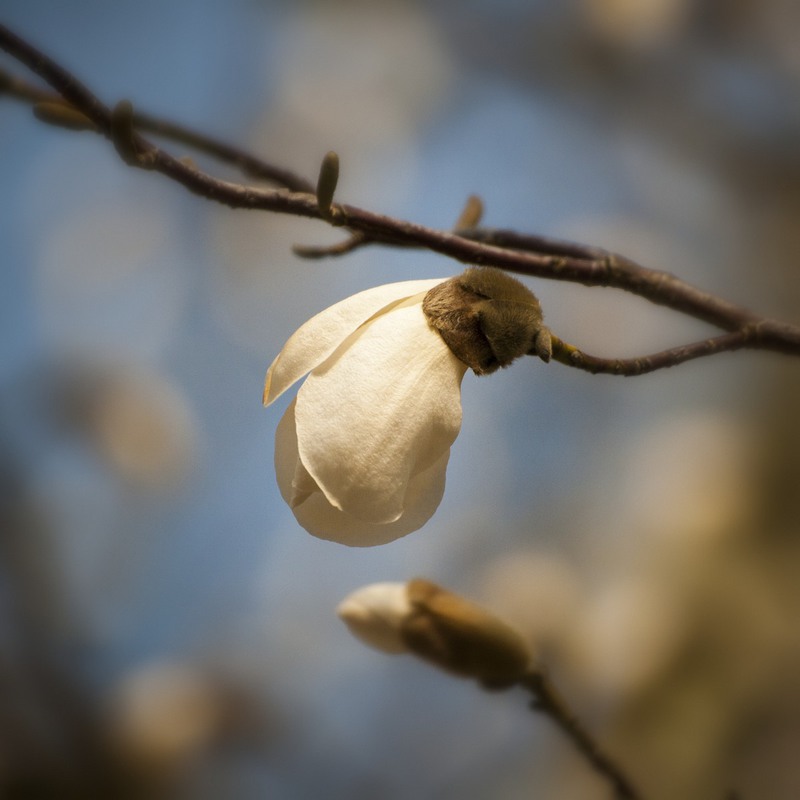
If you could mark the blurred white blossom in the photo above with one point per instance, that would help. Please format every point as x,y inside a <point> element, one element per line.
<point>143,425</point>
<point>163,713</point>
<point>636,24</point>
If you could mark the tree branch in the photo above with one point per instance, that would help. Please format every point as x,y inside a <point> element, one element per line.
<point>524,254</point>
<point>547,700</point>
<point>571,356</point>
<point>249,164</point>
<point>339,249</point>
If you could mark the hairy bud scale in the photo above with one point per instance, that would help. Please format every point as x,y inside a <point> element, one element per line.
<point>487,319</point>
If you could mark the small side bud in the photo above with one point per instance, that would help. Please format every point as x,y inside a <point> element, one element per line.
<point>326,183</point>
<point>487,318</point>
<point>462,638</point>
<point>63,116</point>
<point>124,137</point>
<point>471,214</point>
<point>543,344</point>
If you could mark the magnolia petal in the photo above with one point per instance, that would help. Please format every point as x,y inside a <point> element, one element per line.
<point>325,521</point>
<point>316,339</point>
<point>294,482</point>
<point>424,494</point>
<point>385,406</point>
<point>375,615</point>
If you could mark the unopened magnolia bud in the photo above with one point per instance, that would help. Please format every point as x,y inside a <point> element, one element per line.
<point>63,115</point>
<point>487,318</point>
<point>375,615</point>
<point>463,638</point>
<point>326,182</point>
<point>471,214</point>
<point>440,627</point>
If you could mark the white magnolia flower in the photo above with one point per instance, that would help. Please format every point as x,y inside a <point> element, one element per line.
<point>361,454</point>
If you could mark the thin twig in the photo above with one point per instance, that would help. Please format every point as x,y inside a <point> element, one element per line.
<point>324,251</point>
<point>532,243</point>
<point>521,253</point>
<point>249,164</point>
<point>547,700</point>
<point>571,356</point>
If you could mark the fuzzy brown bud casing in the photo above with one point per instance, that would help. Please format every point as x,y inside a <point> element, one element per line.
<point>487,319</point>
<point>463,638</point>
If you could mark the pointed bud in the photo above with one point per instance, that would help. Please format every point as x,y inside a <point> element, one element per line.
<point>440,627</point>
<point>63,116</point>
<point>471,214</point>
<point>375,613</point>
<point>326,183</point>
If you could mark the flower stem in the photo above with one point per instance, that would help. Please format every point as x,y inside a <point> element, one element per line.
<point>548,700</point>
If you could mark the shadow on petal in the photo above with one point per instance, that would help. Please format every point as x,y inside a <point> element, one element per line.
<point>321,519</point>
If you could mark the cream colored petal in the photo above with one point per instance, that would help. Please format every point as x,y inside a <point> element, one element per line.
<point>385,406</point>
<point>424,494</point>
<point>321,519</point>
<point>315,340</point>
<point>294,482</point>
<point>374,614</point>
